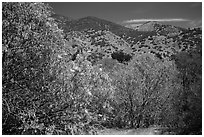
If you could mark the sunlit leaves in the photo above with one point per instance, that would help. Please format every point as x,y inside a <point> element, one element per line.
<point>30,38</point>
<point>144,87</point>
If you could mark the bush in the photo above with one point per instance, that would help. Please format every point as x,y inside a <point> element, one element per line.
<point>121,56</point>
<point>144,91</point>
<point>43,91</point>
<point>29,38</point>
<point>190,98</point>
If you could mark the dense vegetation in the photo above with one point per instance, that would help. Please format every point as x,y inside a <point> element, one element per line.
<point>190,66</point>
<point>121,57</point>
<point>46,91</point>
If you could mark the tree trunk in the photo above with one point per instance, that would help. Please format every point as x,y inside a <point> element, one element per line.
<point>139,119</point>
<point>131,113</point>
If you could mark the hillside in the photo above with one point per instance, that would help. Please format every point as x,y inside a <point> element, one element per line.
<point>159,28</point>
<point>100,44</point>
<point>106,38</point>
<point>101,24</point>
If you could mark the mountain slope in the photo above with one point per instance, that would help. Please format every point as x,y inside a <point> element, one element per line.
<point>99,44</point>
<point>165,46</point>
<point>159,28</point>
<point>95,23</point>
<point>103,39</point>
<point>101,24</point>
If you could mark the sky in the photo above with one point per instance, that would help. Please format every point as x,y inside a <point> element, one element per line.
<point>182,14</point>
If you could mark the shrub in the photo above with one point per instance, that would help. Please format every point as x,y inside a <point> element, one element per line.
<point>144,91</point>
<point>190,98</point>
<point>29,37</point>
<point>121,56</point>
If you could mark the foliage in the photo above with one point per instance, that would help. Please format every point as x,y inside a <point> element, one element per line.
<point>48,89</point>
<point>190,99</point>
<point>121,57</point>
<point>80,89</point>
<point>44,91</point>
<point>29,36</point>
<point>145,88</point>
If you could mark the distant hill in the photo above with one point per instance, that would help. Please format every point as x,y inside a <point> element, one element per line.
<point>160,29</point>
<point>101,39</point>
<point>133,26</point>
<point>149,26</point>
<point>101,24</point>
<point>95,23</point>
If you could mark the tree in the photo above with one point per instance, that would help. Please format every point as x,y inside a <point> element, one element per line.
<point>121,56</point>
<point>30,38</point>
<point>44,90</point>
<point>80,89</point>
<point>144,88</point>
<point>190,99</point>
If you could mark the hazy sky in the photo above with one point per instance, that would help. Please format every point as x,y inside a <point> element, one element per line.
<point>185,14</point>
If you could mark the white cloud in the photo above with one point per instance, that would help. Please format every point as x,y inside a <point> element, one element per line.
<point>159,20</point>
